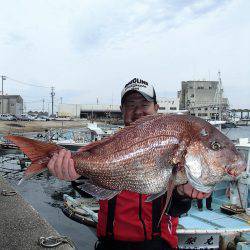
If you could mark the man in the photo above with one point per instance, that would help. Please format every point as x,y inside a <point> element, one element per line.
<point>127,221</point>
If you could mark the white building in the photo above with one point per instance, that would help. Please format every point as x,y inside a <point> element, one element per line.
<point>168,105</point>
<point>89,110</point>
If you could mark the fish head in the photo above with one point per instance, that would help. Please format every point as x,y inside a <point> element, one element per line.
<point>210,156</point>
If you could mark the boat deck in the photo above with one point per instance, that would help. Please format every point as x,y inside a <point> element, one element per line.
<point>212,220</point>
<point>205,229</point>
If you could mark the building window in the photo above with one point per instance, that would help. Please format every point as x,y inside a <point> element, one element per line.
<point>200,87</point>
<point>205,108</point>
<point>162,108</point>
<point>173,108</point>
<point>192,95</point>
<point>12,104</point>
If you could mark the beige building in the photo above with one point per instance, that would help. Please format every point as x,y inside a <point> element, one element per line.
<point>12,104</point>
<point>203,99</point>
<point>89,111</point>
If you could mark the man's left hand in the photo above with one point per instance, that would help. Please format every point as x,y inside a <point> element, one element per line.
<point>188,190</point>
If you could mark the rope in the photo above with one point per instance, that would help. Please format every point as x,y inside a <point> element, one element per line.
<point>54,241</point>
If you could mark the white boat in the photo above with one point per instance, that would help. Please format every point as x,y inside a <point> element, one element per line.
<point>81,210</point>
<point>71,144</point>
<point>217,123</point>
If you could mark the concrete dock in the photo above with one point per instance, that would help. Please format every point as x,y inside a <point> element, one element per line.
<point>20,224</point>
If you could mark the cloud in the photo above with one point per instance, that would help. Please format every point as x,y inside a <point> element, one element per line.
<point>91,48</point>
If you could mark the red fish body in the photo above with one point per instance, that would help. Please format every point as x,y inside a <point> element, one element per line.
<point>141,157</point>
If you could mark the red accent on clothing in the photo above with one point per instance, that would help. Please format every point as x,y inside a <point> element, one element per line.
<point>127,223</point>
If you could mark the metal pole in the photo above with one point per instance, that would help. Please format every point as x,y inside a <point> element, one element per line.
<point>3,78</point>
<point>43,105</point>
<point>220,96</point>
<point>52,97</point>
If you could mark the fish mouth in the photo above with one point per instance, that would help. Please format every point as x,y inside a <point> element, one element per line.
<point>236,169</point>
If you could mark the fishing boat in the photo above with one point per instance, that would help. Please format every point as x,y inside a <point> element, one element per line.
<point>82,210</point>
<point>7,146</point>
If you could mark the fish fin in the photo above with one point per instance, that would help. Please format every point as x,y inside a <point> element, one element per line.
<point>155,196</point>
<point>35,150</point>
<point>32,170</point>
<point>171,185</point>
<point>98,192</point>
<point>145,119</point>
<point>93,145</point>
<point>38,152</point>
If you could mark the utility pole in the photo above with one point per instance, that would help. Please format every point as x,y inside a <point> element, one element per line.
<point>3,78</point>
<point>52,98</point>
<point>43,105</point>
<point>61,99</point>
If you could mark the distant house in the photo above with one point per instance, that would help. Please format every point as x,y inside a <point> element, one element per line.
<point>12,104</point>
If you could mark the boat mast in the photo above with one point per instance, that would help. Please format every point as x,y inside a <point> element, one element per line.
<point>219,96</point>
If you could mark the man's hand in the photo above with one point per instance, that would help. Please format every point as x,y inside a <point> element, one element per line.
<point>188,190</point>
<point>62,166</point>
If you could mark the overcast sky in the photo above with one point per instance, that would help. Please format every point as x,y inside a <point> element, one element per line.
<point>88,48</point>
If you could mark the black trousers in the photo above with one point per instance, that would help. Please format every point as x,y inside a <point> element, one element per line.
<point>157,244</point>
<point>208,202</point>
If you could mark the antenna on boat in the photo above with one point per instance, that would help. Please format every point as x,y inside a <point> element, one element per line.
<point>220,90</point>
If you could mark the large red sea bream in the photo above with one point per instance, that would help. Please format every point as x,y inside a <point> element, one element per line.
<point>145,156</point>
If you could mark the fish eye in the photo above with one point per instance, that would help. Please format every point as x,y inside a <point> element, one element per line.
<point>215,145</point>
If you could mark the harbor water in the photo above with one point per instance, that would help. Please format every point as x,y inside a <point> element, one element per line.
<point>44,193</point>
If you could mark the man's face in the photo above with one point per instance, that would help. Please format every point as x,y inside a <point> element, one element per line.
<point>136,106</point>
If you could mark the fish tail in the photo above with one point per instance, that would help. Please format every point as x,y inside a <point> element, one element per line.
<point>38,152</point>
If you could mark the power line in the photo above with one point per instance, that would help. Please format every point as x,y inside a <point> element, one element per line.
<point>29,84</point>
<point>30,101</point>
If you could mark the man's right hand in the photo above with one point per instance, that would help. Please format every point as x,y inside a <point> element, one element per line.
<point>61,165</point>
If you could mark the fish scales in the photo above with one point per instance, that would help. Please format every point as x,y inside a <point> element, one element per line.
<point>141,157</point>
<point>126,156</point>
<point>137,148</point>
